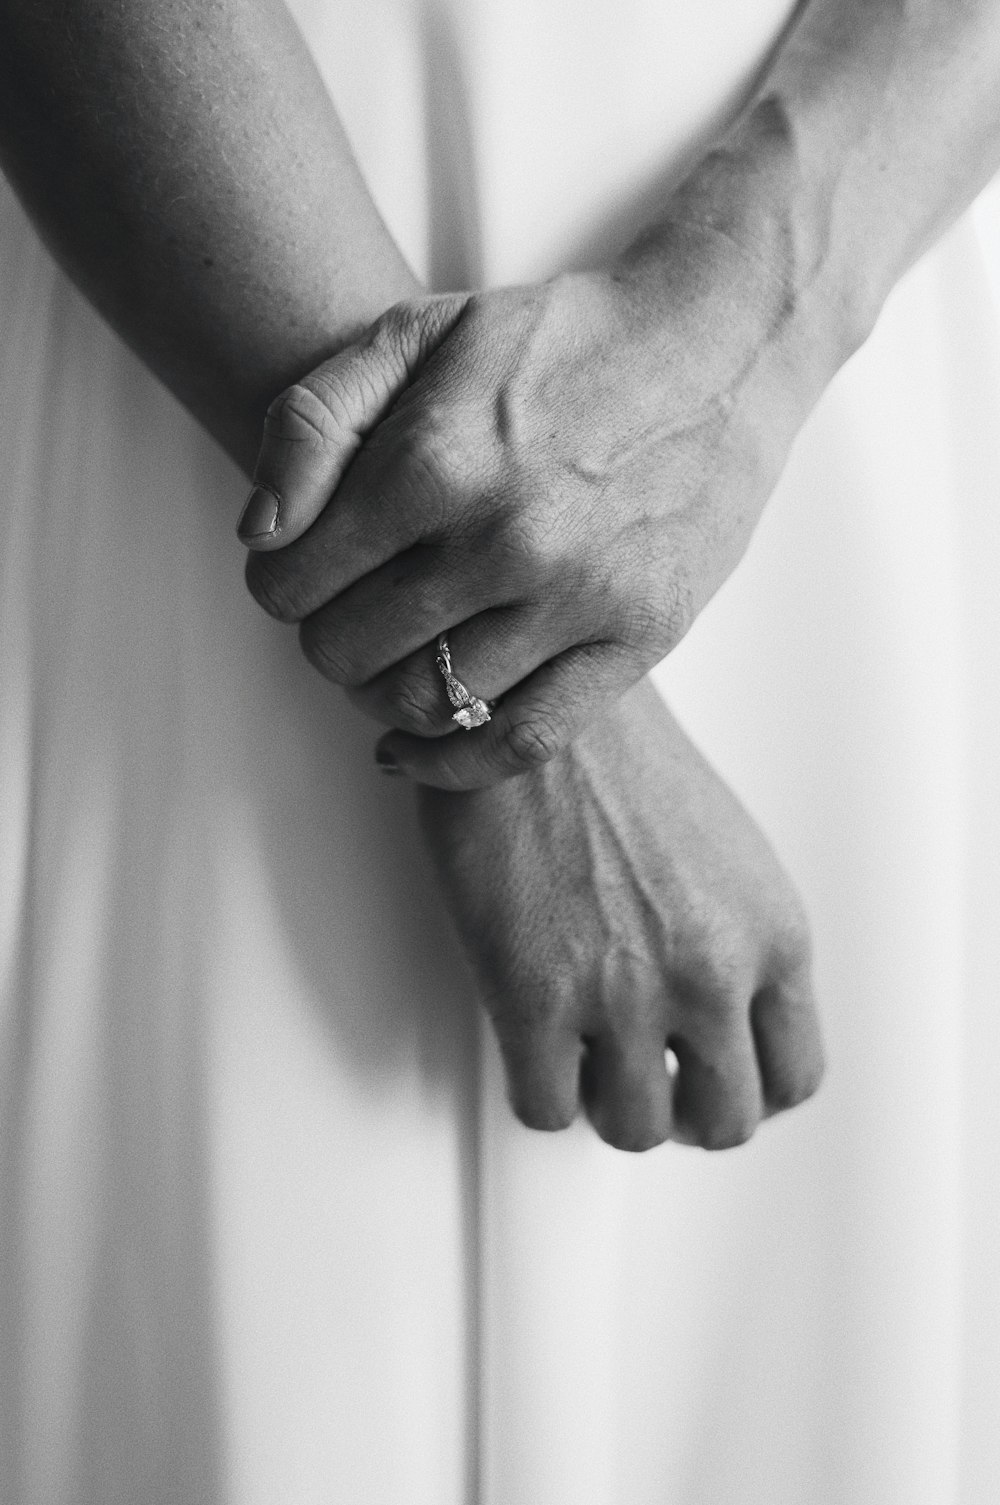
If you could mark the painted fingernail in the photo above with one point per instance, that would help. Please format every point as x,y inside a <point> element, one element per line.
<point>259,518</point>
<point>386,762</point>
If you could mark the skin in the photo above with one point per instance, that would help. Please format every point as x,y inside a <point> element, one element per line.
<point>566,473</point>
<point>561,487</point>
<point>672,925</point>
<point>230,240</point>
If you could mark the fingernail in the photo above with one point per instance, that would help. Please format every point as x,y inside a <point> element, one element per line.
<point>259,518</point>
<point>386,762</point>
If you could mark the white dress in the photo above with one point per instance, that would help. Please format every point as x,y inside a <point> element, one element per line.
<point>268,1233</point>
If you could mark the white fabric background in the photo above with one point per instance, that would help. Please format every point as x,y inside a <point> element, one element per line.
<point>267,1231</point>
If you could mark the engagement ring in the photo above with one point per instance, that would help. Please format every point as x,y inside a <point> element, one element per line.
<point>469,711</point>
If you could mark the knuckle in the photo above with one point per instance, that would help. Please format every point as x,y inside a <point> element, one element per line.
<point>424,453</point>
<point>678,611</point>
<point>532,542</point>
<point>444,448</point>
<point>661,618</point>
<point>417,707</point>
<point>274,588</point>
<point>393,329</point>
<point>717,978</point>
<point>723,950</point>
<point>404,322</point>
<point>405,329</point>
<point>428,449</point>
<point>325,653</point>
<point>413,328</point>
<point>310,411</point>
<point>532,741</point>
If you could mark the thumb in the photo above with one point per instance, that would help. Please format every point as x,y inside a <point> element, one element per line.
<point>314,429</point>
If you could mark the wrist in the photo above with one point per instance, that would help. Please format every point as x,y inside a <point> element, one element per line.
<point>749,229</point>
<point>793,213</point>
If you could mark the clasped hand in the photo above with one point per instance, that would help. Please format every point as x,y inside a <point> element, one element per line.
<point>557,476</point>
<point>543,475</point>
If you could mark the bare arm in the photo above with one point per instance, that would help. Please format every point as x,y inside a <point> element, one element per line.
<point>186,166</point>
<point>586,459</point>
<point>877,123</point>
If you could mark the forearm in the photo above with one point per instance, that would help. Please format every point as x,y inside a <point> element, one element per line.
<point>184,163</point>
<point>874,125</point>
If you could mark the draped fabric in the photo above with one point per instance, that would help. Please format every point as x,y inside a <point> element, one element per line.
<point>268,1231</point>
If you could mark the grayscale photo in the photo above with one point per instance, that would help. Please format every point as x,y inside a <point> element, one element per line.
<point>499,752</point>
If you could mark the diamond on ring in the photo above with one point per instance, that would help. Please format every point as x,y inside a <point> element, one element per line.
<point>470,711</point>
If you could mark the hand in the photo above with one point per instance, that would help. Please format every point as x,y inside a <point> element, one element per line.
<point>558,476</point>
<point>620,902</point>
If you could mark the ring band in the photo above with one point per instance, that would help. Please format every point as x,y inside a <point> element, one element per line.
<point>469,711</point>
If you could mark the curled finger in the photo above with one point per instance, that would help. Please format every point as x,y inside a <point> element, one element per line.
<point>627,1090</point>
<point>393,614</point>
<point>788,1041</point>
<point>542,1067</point>
<point>489,655</point>
<point>717,1095</point>
<point>533,723</point>
<point>314,429</point>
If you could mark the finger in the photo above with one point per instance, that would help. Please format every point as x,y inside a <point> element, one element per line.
<point>391,620</point>
<point>393,498</point>
<point>627,1090</point>
<point>542,1067</point>
<point>491,653</point>
<point>314,429</point>
<point>393,612</point>
<point>532,724</point>
<point>788,1041</point>
<point>717,1092</point>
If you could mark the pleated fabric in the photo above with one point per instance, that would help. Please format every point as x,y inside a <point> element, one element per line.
<point>268,1231</point>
